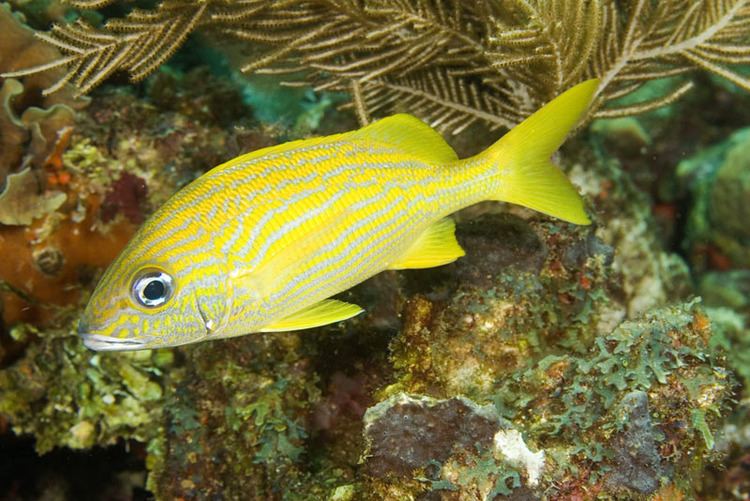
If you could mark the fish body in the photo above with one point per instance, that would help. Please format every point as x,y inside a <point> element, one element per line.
<point>261,242</point>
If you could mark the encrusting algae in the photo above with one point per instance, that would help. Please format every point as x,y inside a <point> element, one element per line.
<point>261,242</point>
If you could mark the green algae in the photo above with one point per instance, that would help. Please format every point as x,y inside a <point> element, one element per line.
<point>732,339</point>
<point>638,355</point>
<point>485,476</point>
<point>67,396</point>
<point>238,416</point>
<point>572,406</point>
<point>279,437</point>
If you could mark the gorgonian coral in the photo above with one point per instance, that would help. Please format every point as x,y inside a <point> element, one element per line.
<point>451,62</point>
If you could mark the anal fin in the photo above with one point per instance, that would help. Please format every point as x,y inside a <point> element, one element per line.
<point>435,247</point>
<point>325,312</point>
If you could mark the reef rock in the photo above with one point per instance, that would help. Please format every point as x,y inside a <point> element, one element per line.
<point>636,462</point>
<point>404,433</point>
<point>588,413</point>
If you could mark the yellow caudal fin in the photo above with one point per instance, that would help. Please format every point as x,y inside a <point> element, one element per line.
<point>530,178</point>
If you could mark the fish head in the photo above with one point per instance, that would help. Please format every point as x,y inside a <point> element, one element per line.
<point>146,300</point>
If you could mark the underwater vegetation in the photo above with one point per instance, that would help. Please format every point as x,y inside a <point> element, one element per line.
<point>453,63</point>
<point>552,361</point>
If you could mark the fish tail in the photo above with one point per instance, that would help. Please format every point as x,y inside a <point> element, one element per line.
<point>529,177</point>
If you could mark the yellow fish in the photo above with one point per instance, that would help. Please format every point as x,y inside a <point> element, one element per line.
<point>260,243</point>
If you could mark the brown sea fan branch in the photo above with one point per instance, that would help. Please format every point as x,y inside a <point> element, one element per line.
<point>451,62</point>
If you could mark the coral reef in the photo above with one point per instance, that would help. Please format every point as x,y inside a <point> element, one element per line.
<point>236,423</point>
<point>714,183</point>
<point>651,275</point>
<point>509,374</point>
<point>21,201</point>
<point>551,362</point>
<point>494,341</point>
<point>121,160</point>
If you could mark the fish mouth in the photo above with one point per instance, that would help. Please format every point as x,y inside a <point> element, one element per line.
<point>98,342</point>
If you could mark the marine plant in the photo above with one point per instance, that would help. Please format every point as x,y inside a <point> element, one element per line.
<point>453,63</point>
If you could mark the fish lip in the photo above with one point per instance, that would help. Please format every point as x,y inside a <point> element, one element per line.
<point>98,342</point>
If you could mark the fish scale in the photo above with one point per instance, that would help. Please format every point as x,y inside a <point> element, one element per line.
<point>262,242</point>
<point>351,242</point>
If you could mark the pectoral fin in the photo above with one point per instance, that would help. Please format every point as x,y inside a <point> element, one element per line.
<point>325,312</point>
<point>435,247</point>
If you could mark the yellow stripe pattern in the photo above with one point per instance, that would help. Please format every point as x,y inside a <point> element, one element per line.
<point>275,231</point>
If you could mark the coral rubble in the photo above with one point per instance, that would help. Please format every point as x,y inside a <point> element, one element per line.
<point>66,397</point>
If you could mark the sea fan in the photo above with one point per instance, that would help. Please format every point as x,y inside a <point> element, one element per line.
<point>451,62</point>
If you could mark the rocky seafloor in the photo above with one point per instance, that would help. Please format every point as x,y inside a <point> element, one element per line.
<point>553,361</point>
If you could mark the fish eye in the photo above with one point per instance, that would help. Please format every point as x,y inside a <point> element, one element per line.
<point>152,288</point>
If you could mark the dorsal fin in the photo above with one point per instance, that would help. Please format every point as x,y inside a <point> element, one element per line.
<point>405,132</point>
<point>411,135</point>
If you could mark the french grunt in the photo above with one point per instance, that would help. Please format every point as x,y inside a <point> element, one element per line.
<point>262,242</point>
